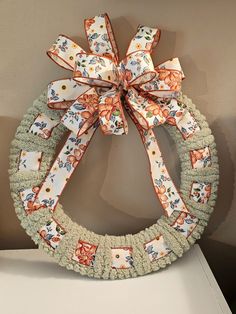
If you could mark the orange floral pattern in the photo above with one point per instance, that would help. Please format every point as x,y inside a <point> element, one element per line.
<point>121,257</point>
<point>85,253</point>
<point>156,248</point>
<point>170,78</point>
<point>27,197</point>
<point>52,233</point>
<point>200,192</point>
<point>62,168</point>
<point>43,126</point>
<point>185,223</point>
<point>200,158</point>
<point>83,113</point>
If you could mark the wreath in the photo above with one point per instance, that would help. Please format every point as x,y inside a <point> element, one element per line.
<point>100,87</point>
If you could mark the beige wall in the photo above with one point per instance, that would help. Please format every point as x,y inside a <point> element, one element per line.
<point>111,191</point>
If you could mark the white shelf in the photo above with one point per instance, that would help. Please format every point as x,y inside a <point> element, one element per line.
<point>32,283</point>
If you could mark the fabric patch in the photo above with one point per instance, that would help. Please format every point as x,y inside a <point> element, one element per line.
<point>156,248</point>
<point>188,125</point>
<point>85,253</point>
<point>200,192</point>
<point>43,126</point>
<point>28,196</point>
<point>122,257</point>
<point>29,160</point>
<point>200,158</point>
<point>52,233</point>
<point>185,224</point>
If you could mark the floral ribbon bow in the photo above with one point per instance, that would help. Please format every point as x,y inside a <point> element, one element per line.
<point>96,91</point>
<point>100,81</point>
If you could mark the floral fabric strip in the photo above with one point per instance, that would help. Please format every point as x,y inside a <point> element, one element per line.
<point>188,125</point>
<point>167,83</point>
<point>29,161</point>
<point>63,93</point>
<point>63,52</point>
<point>200,192</point>
<point>122,257</point>
<point>156,248</point>
<point>100,37</point>
<point>62,168</point>
<point>83,113</point>
<point>164,186</point>
<point>28,197</point>
<point>52,233</point>
<point>111,114</point>
<point>185,223</point>
<point>85,253</point>
<point>175,114</point>
<point>200,158</point>
<point>146,38</point>
<point>43,126</point>
<point>95,70</point>
<point>147,112</point>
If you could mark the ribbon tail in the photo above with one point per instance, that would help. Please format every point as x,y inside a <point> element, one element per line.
<point>83,113</point>
<point>147,112</point>
<point>62,169</point>
<point>165,188</point>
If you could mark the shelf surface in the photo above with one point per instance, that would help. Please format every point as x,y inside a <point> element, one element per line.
<point>31,282</point>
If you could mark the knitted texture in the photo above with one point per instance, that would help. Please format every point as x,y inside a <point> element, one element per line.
<point>177,243</point>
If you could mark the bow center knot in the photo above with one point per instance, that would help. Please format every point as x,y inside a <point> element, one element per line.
<point>100,82</point>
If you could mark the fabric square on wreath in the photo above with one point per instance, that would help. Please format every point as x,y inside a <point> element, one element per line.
<point>43,126</point>
<point>29,161</point>
<point>122,257</point>
<point>156,248</point>
<point>52,233</point>
<point>200,158</point>
<point>188,125</point>
<point>28,196</point>
<point>185,223</point>
<point>200,192</point>
<point>85,253</point>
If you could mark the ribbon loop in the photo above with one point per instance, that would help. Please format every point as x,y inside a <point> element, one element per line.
<point>95,70</point>
<point>63,52</point>
<point>111,114</point>
<point>62,93</point>
<point>100,37</point>
<point>145,39</point>
<point>138,68</point>
<point>167,82</point>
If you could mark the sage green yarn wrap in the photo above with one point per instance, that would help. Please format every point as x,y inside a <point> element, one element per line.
<point>142,265</point>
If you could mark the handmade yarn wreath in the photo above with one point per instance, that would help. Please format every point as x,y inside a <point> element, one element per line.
<point>100,87</point>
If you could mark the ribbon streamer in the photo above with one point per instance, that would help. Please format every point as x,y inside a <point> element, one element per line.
<point>95,94</point>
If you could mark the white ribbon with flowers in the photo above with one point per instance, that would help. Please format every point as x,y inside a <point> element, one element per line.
<point>95,95</point>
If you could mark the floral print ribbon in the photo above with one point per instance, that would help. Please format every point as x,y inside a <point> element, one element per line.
<point>94,96</point>
<point>100,81</point>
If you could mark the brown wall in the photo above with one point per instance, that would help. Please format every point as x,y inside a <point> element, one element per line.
<point>111,191</point>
